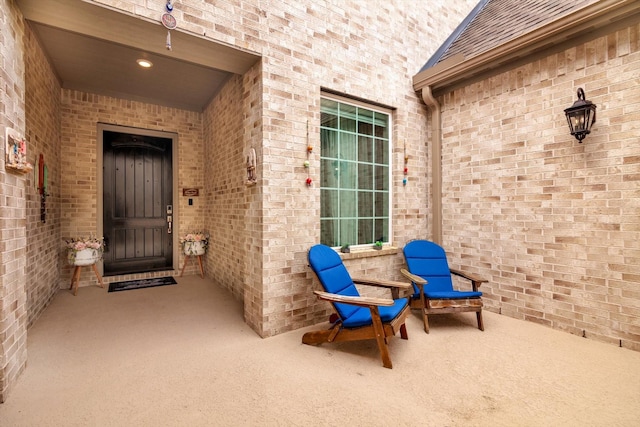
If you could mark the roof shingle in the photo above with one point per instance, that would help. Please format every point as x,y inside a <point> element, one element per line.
<point>495,22</point>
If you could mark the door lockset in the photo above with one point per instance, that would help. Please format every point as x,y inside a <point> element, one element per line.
<point>169,218</point>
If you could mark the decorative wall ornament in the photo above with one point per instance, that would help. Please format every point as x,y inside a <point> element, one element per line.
<point>169,22</point>
<point>308,181</point>
<point>406,168</point>
<point>251,168</point>
<point>16,152</point>
<point>43,180</point>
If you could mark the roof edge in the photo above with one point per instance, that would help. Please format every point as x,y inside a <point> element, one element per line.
<point>590,17</point>
<point>463,26</point>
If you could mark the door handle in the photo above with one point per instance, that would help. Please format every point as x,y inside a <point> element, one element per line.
<point>169,222</point>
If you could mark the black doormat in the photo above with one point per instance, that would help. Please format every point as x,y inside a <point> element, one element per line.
<point>142,283</point>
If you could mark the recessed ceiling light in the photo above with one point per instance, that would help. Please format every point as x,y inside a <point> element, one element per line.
<point>144,63</point>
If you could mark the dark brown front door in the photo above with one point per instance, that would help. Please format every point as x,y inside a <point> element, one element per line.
<point>138,198</point>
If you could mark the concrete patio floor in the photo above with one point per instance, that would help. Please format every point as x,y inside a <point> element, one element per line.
<point>182,355</point>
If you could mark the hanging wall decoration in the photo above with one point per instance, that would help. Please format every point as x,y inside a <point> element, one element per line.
<point>169,22</point>
<point>251,168</point>
<point>16,152</point>
<point>43,178</point>
<point>406,167</point>
<point>308,181</point>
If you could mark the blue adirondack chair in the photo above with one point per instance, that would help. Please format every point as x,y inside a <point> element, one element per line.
<point>430,274</point>
<point>357,317</point>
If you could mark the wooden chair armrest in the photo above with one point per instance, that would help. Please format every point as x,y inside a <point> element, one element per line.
<point>476,281</point>
<point>415,279</point>
<point>468,276</point>
<point>357,301</point>
<point>382,283</point>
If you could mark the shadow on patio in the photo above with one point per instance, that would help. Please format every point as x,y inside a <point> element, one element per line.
<point>182,355</point>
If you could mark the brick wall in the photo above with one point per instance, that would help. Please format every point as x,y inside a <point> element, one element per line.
<point>232,127</point>
<point>42,99</point>
<point>13,190</point>
<point>253,277</point>
<point>366,49</point>
<point>553,224</point>
<point>225,187</point>
<point>80,114</point>
<point>233,218</point>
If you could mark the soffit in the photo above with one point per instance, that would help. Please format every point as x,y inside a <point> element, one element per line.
<point>93,49</point>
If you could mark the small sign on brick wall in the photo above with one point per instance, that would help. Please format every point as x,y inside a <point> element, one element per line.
<point>190,192</point>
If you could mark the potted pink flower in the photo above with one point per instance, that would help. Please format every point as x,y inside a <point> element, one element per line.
<point>195,243</point>
<point>84,250</point>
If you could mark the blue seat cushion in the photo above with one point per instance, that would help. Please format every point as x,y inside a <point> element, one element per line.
<point>429,261</point>
<point>449,295</point>
<point>362,315</point>
<point>335,279</point>
<point>333,276</point>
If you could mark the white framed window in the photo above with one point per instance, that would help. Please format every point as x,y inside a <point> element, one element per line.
<point>355,172</point>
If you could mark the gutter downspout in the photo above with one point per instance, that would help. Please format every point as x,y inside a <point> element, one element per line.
<point>436,163</point>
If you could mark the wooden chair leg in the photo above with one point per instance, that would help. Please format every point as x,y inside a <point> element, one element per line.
<point>423,301</point>
<point>380,337</point>
<point>425,320</point>
<point>403,332</point>
<point>319,337</point>
<point>334,331</point>
<point>480,323</point>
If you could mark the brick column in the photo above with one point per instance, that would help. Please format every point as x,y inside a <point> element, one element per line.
<point>13,313</point>
<point>13,297</point>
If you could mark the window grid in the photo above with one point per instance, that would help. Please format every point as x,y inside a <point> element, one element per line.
<point>355,174</point>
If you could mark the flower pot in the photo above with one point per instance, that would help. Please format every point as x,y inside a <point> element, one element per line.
<point>194,248</point>
<point>83,257</point>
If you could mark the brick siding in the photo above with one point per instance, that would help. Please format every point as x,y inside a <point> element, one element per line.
<point>14,189</point>
<point>42,99</point>
<point>552,223</point>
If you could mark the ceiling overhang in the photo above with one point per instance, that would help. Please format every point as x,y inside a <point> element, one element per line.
<point>583,23</point>
<point>64,27</point>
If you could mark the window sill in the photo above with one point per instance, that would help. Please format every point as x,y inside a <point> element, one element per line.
<point>369,253</point>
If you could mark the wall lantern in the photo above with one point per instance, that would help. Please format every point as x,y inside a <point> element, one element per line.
<point>581,116</point>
